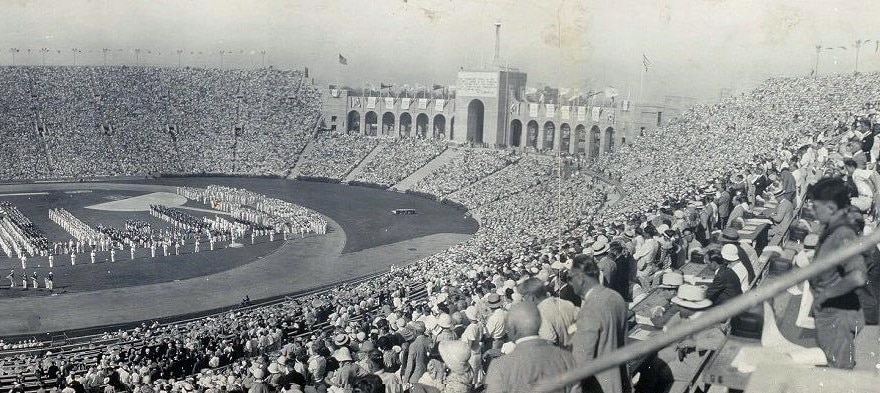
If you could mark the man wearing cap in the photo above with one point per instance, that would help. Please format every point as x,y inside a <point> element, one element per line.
<point>495,323</point>
<point>601,326</point>
<point>836,307</point>
<point>730,253</point>
<point>607,267</point>
<point>533,358</point>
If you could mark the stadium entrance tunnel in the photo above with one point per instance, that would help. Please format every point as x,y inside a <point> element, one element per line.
<point>475,121</point>
<point>516,133</point>
<point>371,119</point>
<point>549,135</point>
<point>354,122</point>
<point>422,125</point>
<point>439,126</point>
<point>532,134</point>
<point>405,124</point>
<point>388,123</point>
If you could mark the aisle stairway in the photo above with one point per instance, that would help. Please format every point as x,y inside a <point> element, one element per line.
<point>294,172</point>
<point>410,181</point>
<point>360,166</point>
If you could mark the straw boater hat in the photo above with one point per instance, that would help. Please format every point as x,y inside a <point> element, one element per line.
<point>600,247</point>
<point>691,296</point>
<point>730,253</point>
<point>493,301</point>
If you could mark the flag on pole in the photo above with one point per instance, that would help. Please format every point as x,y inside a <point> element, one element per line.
<point>437,87</point>
<point>646,62</point>
<point>342,60</point>
<point>388,86</point>
<point>842,47</point>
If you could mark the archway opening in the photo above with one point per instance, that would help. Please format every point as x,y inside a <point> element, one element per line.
<point>440,127</point>
<point>475,121</point>
<point>532,134</point>
<point>371,121</point>
<point>405,124</point>
<point>422,125</point>
<point>609,139</point>
<point>387,123</point>
<point>566,137</point>
<point>594,141</point>
<point>581,133</point>
<point>549,135</point>
<point>516,133</point>
<point>353,122</point>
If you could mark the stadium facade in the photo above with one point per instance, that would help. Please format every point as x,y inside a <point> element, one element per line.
<point>488,109</point>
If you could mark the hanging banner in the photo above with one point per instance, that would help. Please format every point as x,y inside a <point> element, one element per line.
<point>533,110</point>
<point>423,103</point>
<point>550,110</point>
<point>439,104</point>
<point>565,112</point>
<point>371,102</point>
<point>355,102</point>
<point>404,103</point>
<point>625,105</point>
<point>334,93</point>
<point>389,102</point>
<point>596,114</point>
<point>581,113</point>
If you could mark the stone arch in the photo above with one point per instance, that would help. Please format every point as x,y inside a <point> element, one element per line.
<point>422,125</point>
<point>565,142</point>
<point>549,135</point>
<point>516,133</point>
<point>387,123</point>
<point>371,120</point>
<point>405,126</point>
<point>532,134</point>
<point>609,139</point>
<point>594,141</point>
<point>353,122</point>
<point>476,111</point>
<point>581,139</point>
<point>440,127</point>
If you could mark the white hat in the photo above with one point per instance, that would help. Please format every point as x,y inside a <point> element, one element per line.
<point>730,253</point>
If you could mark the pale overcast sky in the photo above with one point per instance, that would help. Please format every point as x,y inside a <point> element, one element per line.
<point>696,47</point>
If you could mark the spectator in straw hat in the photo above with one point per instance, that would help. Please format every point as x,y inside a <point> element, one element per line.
<point>730,253</point>
<point>726,284</point>
<point>496,320</point>
<point>607,267</point>
<point>456,355</point>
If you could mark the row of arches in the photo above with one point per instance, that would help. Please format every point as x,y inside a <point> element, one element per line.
<point>548,136</point>
<point>404,125</point>
<point>535,135</point>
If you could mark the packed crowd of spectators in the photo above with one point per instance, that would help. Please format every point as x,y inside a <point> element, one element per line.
<point>334,155</point>
<point>529,171</point>
<point>471,165</point>
<point>441,324</point>
<point>73,122</point>
<point>397,159</point>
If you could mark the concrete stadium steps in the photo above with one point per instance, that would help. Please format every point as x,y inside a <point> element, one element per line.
<point>306,151</point>
<point>410,181</point>
<point>360,166</point>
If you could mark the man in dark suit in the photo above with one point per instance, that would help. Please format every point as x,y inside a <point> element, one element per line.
<point>532,360</point>
<point>725,285</point>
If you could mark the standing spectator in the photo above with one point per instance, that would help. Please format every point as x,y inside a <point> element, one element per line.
<point>557,315</point>
<point>836,306</point>
<point>601,326</point>
<point>532,359</point>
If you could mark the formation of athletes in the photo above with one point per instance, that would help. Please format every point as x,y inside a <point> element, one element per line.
<point>243,217</point>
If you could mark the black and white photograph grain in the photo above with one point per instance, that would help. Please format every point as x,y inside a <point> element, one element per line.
<point>439,196</point>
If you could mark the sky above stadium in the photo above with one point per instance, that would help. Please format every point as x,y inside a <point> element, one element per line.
<point>695,47</point>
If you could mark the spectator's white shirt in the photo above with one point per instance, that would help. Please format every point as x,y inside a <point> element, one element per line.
<point>743,275</point>
<point>495,323</point>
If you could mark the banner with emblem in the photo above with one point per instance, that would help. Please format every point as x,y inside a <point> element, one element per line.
<point>439,104</point>
<point>389,102</point>
<point>596,114</point>
<point>533,110</point>
<point>514,109</point>
<point>581,113</point>
<point>371,102</point>
<point>355,102</point>
<point>405,102</point>
<point>550,110</point>
<point>423,103</point>
<point>565,112</point>
<point>625,105</point>
<point>334,93</point>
